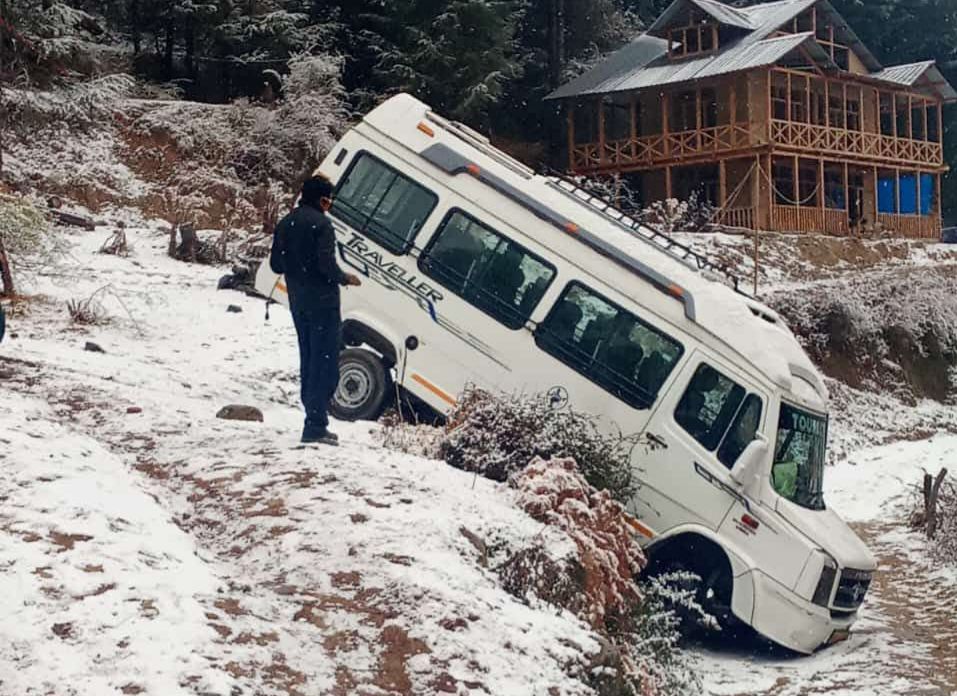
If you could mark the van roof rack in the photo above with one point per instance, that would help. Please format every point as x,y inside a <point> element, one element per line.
<point>480,143</point>
<point>642,230</point>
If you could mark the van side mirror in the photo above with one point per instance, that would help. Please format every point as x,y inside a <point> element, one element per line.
<point>745,470</point>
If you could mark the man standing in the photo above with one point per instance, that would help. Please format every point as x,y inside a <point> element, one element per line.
<point>304,251</point>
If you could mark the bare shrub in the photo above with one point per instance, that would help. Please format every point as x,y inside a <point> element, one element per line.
<point>692,215</point>
<point>88,312</point>
<point>116,244</point>
<point>410,438</point>
<point>28,243</point>
<point>497,435</point>
<point>935,513</point>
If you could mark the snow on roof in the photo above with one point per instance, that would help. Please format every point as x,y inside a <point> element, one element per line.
<point>719,310</point>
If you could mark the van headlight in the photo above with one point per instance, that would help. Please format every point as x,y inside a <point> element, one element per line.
<point>825,585</point>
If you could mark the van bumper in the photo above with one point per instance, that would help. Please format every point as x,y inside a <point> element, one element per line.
<point>792,621</point>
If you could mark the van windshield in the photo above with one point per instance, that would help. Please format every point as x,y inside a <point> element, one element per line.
<point>798,471</point>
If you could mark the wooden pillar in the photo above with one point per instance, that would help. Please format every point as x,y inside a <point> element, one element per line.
<point>940,122</point>
<point>924,110</point>
<point>668,194</point>
<point>844,104</point>
<point>938,207</point>
<point>571,135</point>
<point>894,112</point>
<point>733,106</point>
<point>821,196</point>
<point>756,192</point>
<point>770,178</point>
<point>788,99</point>
<point>860,110</point>
<point>797,180</point>
<point>665,126</point>
<point>897,191</point>
<point>910,117</point>
<point>723,183</point>
<point>633,115</point>
<point>827,102</point>
<point>920,216</point>
<point>807,96</point>
<point>877,207</point>
<point>602,156</point>
<point>697,117</point>
<point>847,200</point>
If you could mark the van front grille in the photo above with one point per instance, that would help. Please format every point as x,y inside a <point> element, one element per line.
<point>852,588</point>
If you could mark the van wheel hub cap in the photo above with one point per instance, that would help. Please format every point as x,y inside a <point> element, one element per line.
<point>355,386</point>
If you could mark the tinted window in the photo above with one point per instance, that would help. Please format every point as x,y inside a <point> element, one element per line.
<point>488,270</point>
<point>708,406</point>
<point>380,202</point>
<point>611,347</point>
<point>742,431</point>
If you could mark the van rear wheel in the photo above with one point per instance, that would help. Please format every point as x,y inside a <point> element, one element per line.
<point>364,386</point>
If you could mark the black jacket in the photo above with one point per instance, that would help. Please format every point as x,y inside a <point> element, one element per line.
<point>304,250</point>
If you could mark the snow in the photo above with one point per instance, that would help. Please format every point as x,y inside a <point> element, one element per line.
<point>233,563</point>
<point>231,560</point>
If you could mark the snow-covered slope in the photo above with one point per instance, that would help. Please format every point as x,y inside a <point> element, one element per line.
<point>148,547</point>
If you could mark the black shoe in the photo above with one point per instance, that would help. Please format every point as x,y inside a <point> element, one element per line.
<point>323,438</point>
<point>331,435</point>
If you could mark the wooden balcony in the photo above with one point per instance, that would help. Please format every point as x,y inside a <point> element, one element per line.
<point>794,219</point>
<point>851,144</point>
<point>650,150</point>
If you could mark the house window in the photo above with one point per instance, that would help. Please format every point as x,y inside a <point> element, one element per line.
<point>694,39</point>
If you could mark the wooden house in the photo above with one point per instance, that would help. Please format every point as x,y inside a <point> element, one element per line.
<point>776,113</point>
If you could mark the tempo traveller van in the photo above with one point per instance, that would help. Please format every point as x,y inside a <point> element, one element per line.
<point>478,271</point>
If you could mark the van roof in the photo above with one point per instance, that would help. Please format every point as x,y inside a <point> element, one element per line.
<point>744,325</point>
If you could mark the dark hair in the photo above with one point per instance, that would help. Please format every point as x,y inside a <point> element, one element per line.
<point>315,189</point>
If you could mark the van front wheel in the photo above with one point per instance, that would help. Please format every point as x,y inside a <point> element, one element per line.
<point>364,386</point>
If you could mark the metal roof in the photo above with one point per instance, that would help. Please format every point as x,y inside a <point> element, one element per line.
<point>641,64</point>
<point>910,74</point>
<point>725,14</point>
<point>637,66</point>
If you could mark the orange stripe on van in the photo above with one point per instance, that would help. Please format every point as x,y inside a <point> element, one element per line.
<point>640,528</point>
<point>676,290</point>
<point>425,129</point>
<point>281,287</point>
<point>571,228</point>
<point>434,389</point>
<point>474,169</point>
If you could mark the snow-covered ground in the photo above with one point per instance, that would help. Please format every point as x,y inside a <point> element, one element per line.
<point>148,547</point>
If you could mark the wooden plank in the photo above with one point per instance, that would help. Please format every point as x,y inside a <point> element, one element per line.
<point>847,199</point>
<point>668,183</point>
<point>920,212</point>
<point>821,196</point>
<point>797,181</point>
<point>633,115</point>
<point>723,183</point>
<point>807,96</point>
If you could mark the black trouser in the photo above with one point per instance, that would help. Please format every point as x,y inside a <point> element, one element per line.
<point>318,331</point>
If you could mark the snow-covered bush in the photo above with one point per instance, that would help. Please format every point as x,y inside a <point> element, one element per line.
<point>692,215</point>
<point>498,435</point>
<point>555,493</point>
<point>897,333</point>
<point>943,538</point>
<point>599,583</point>
<point>80,103</point>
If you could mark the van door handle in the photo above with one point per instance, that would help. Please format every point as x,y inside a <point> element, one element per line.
<point>657,439</point>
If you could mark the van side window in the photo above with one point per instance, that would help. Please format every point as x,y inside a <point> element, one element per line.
<point>486,269</point>
<point>715,410</point>
<point>610,346</point>
<point>378,201</point>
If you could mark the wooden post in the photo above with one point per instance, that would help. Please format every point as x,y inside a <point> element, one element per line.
<point>796,184</point>
<point>821,196</point>
<point>910,117</point>
<point>756,192</point>
<point>920,213</point>
<point>847,200</point>
<point>894,112</point>
<point>571,136</point>
<point>668,182</point>
<point>925,109</point>
<point>633,114</point>
<point>723,183</point>
<point>860,110</point>
<point>897,191</point>
<point>877,207</point>
<point>807,96</point>
<point>602,156</point>
<point>697,117</point>
<point>940,122</point>
<point>844,103</point>
<point>827,102</point>
<point>790,113</point>
<point>664,123</point>
<point>733,116</point>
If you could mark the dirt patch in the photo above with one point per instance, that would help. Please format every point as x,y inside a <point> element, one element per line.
<point>66,542</point>
<point>397,648</point>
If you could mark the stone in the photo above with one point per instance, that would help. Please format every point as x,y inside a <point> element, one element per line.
<point>134,409</point>
<point>92,347</point>
<point>238,412</point>
<point>234,309</point>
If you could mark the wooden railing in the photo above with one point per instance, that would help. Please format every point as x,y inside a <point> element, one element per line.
<point>916,226</point>
<point>873,146</point>
<point>648,150</point>
<point>737,217</point>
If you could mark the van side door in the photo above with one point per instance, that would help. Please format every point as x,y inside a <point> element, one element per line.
<point>692,441</point>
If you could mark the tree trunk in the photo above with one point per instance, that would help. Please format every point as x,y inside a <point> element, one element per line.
<point>135,26</point>
<point>931,494</point>
<point>556,42</point>
<point>189,36</point>
<point>6,273</point>
<point>168,49</point>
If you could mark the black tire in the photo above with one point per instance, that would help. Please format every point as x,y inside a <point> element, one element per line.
<point>364,386</point>
<point>713,588</point>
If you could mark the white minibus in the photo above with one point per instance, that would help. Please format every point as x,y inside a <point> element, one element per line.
<point>478,271</point>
